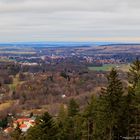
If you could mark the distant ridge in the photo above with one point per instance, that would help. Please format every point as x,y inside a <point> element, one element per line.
<point>120,44</point>
<point>64,44</point>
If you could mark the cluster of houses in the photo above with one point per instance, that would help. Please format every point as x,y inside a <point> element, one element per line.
<point>23,123</point>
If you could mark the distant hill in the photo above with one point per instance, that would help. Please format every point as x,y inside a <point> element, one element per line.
<point>59,44</point>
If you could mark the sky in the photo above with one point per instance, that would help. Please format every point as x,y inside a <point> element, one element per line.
<point>69,20</point>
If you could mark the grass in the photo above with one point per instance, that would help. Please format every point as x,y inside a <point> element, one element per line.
<point>5,105</point>
<point>5,60</point>
<point>108,67</point>
<point>17,52</point>
<point>15,83</point>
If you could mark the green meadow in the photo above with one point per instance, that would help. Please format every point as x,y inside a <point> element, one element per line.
<point>108,67</point>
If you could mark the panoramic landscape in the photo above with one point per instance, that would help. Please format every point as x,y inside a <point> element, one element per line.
<point>69,70</point>
<point>72,82</point>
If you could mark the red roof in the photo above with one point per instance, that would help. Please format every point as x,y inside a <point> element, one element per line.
<point>22,120</point>
<point>23,126</point>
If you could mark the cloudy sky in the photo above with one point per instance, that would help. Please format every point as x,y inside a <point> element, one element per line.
<point>69,20</point>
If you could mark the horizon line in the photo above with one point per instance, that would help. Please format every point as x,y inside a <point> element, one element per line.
<point>120,42</point>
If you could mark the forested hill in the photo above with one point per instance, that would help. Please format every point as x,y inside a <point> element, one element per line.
<point>112,115</point>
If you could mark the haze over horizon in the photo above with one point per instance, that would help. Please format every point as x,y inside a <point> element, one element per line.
<point>69,20</point>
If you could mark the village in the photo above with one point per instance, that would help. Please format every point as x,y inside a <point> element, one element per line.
<point>22,123</point>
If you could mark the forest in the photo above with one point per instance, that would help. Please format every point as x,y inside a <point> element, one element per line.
<point>112,114</point>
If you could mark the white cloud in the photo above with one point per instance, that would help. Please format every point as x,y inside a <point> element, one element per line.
<point>35,20</point>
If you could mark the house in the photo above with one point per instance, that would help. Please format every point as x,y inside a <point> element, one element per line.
<point>24,123</point>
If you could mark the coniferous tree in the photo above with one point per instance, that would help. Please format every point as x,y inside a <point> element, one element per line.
<point>62,113</point>
<point>134,91</point>
<point>136,112</point>
<point>62,121</point>
<point>45,130</point>
<point>16,134</point>
<point>134,73</point>
<point>4,122</point>
<point>73,108</point>
<point>89,119</point>
<point>72,121</point>
<point>110,109</point>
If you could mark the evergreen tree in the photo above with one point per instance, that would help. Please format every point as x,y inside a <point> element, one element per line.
<point>45,130</point>
<point>4,122</point>
<point>62,114</point>
<point>89,119</point>
<point>73,108</point>
<point>72,127</point>
<point>136,111</point>
<point>134,73</point>
<point>134,93</point>
<point>31,114</point>
<point>16,134</point>
<point>62,121</point>
<point>110,109</point>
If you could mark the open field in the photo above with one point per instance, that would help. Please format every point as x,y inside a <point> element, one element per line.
<point>108,67</point>
<point>15,83</point>
<point>15,52</point>
<point>5,105</point>
<point>5,60</point>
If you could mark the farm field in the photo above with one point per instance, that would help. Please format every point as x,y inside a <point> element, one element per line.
<point>108,67</point>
